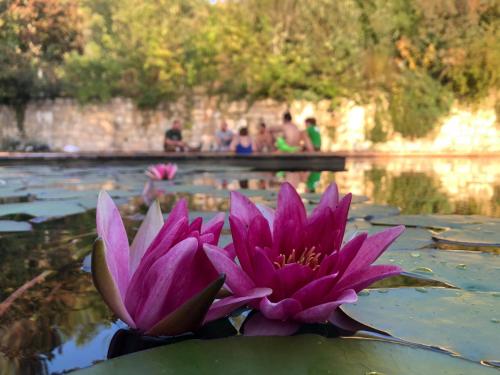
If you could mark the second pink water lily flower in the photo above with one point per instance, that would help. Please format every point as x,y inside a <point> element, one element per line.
<point>300,258</point>
<point>162,284</point>
<point>162,171</point>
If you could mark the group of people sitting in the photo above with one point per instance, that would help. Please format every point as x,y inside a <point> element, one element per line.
<point>285,138</point>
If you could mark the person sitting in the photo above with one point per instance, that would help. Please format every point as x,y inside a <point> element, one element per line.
<point>313,133</point>
<point>293,139</point>
<point>242,144</point>
<point>264,139</point>
<point>223,137</point>
<point>173,138</point>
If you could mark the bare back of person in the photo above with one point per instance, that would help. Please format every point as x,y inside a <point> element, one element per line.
<point>292,134</point>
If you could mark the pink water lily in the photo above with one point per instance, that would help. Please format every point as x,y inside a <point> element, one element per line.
<point>300,258</point>
<point>162,171</point>
<point>163,283</point>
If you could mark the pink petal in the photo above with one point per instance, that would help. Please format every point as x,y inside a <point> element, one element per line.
<point>367,276</point>
<point>328,265</point>
<point>195,225</point>
<point>289,220</point>
<point>179,212</point>
<point>341,213</point>
<point>162,244</point>
<point>105,284</point>
<point>171,170</point>
<point>330,199</point>
<point>243,208</point>
<point>239,232</point>
<point>110,228</point>
<point>321,313</point>
<point>236,279</point>
<point>349,252</point>
<point>267,212</point>
<point>259,233</point>
<point>315,292</point>
<point>373,247</point>
<point>229,251</point>
<point>280,310</point>
<point>227,305</point>
<point>171,281</point>
<point>259,325</point>
<point>265,273</point>
<point>321,231</point>
<point>291,278</point>
<point>148,230</point>
<point>214,226</point>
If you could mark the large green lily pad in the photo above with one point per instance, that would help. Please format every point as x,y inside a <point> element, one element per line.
<point>461,322</point>
<point>14,226</point>
<point>487,234</point>
<point>412,238</point>
<point>371,211</point>
<point>434,221</point>
<point>468,270</point>
<point>43,208</point>
<point>303,354</point>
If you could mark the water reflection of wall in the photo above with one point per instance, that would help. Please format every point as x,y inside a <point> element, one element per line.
<point>447,185</point>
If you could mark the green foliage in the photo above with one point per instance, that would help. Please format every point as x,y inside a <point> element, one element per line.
<point>378,134</point>
<point>416,102</point>
<point>418,53</point>
<point>34,36</point>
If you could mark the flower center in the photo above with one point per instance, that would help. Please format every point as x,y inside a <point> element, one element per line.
<point>308,257</point>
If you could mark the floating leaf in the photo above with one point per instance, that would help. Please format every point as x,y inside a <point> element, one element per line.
<point>433,221</point>
<point>371,211</point>
<point>465,269</point>
<point>456,320</point>
<point>14,226</point>
<point>478,235</point>
<point>43,208</point>
<point>302,354</point>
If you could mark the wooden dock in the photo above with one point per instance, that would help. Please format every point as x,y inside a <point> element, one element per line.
<point>306,161</point>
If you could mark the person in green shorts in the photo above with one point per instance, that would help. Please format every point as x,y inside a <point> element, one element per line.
<point>313,133</point>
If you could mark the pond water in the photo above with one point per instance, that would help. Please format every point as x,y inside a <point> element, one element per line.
<point>52,320</point>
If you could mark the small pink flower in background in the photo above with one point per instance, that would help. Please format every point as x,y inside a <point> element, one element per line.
<point>163,284</point>
<point>295,267</point>
<point>162,171</point>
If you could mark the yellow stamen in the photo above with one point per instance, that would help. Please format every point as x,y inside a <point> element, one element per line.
<point>309,257</point>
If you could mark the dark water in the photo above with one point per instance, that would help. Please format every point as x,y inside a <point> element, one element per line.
<point>61,323</point>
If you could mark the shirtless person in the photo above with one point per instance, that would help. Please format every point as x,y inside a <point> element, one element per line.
<point>293,139</point>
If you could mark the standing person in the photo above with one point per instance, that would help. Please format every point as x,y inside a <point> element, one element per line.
<point>313,133</point>
<point>173,138</point>
<point>223,137</point>
<point>264,139</point>
<point>242,144</point>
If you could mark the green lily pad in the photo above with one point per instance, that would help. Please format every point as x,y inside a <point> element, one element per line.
<point>188,188</point>
<point>461,322</point>
<point>433,221</point>
<point>14,226</point>
<point>43,208</point>
<point>303,354</point>
<point>371,211</point>
<point>487,234</point>
<point>468,270</point>
<point>411,239</point>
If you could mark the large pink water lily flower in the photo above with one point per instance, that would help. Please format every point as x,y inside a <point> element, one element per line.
<point>300,258</point>
<point>162,171</point>
<point>162,284</point>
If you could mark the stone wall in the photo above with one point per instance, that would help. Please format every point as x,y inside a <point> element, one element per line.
<point>119,125</point>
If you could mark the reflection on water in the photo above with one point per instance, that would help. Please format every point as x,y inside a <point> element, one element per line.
<point>416,185</point>
<point>62,324</point>
<point>426,185</point>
